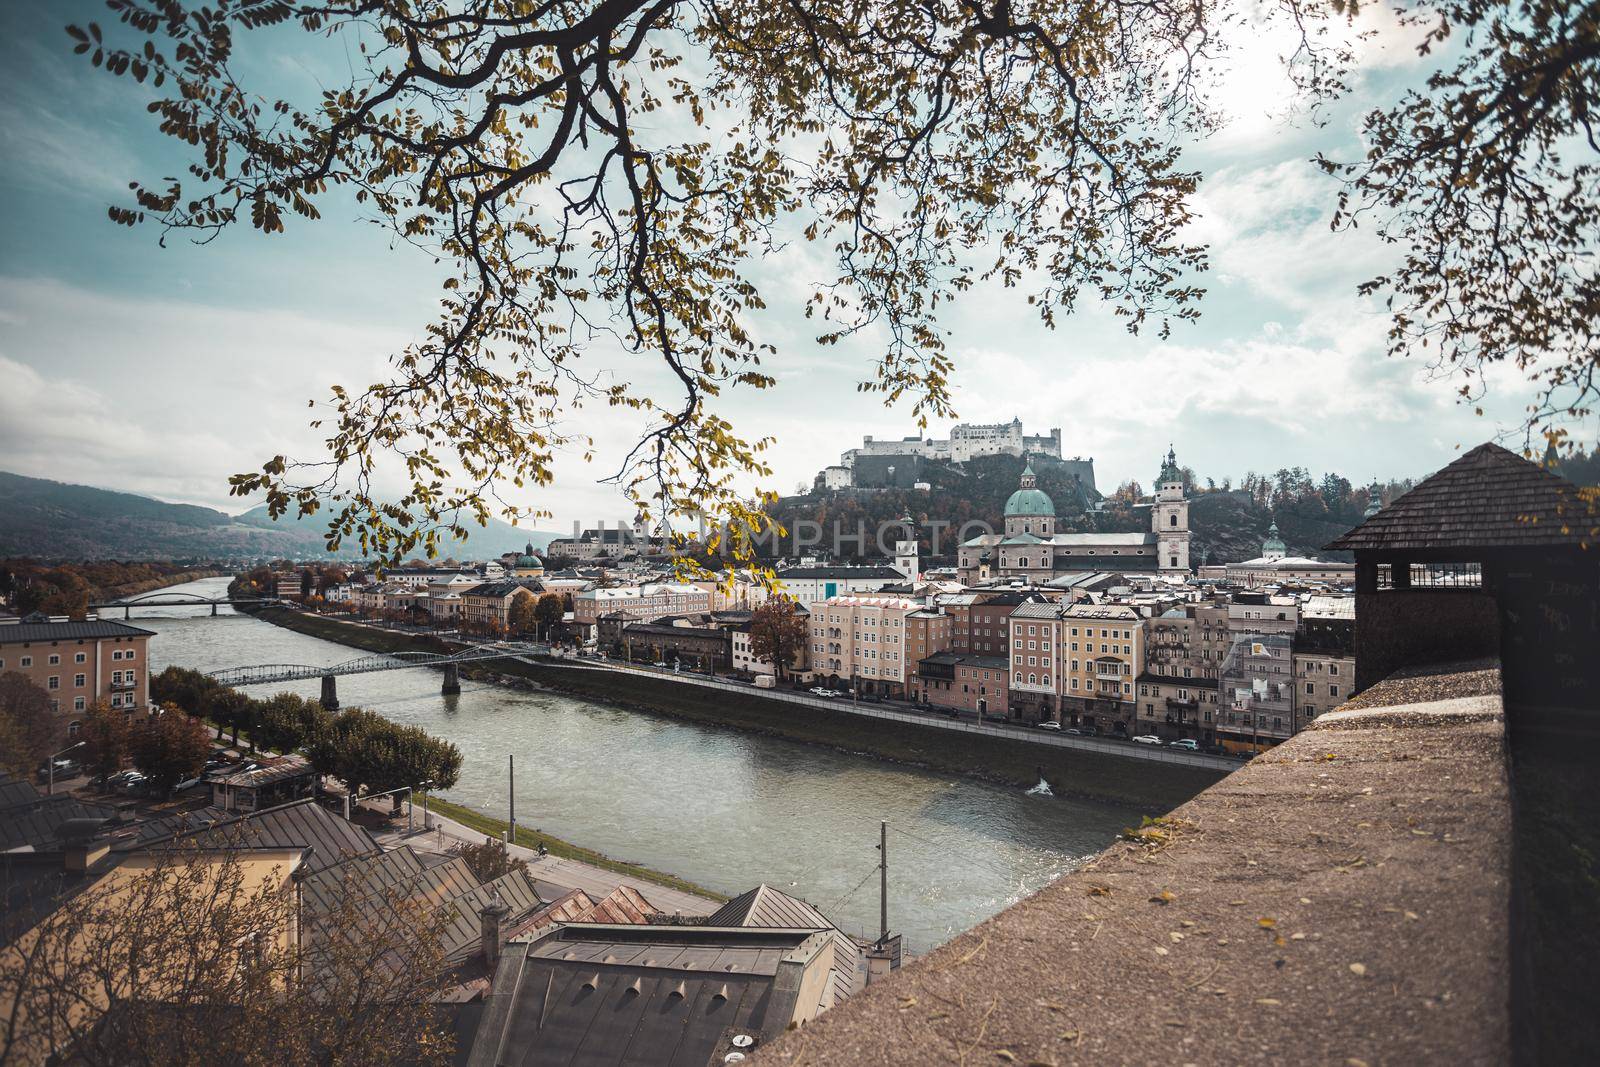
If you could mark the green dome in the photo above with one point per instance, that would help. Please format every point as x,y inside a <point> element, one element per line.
<point>1273,545</point>
<point>1030,502</point>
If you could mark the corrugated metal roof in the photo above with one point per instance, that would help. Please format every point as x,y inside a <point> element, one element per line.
<point>297,825</point>
<point>765,906</point>
<point>1489,498</point>
<point>35,823</point>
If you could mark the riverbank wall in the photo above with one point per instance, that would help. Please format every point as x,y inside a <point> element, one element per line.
<point>1152,787</point>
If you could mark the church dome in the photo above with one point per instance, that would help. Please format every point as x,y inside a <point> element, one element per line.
<point>1273,547</point>
<point>528,559</point>
<point>1029,500</point>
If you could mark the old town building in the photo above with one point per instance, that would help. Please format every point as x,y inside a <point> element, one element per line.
<point>79,664</point>
<point>875,642</point>
<point>968,682</point>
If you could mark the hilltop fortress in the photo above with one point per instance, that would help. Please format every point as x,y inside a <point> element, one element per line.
<point>896,463</point>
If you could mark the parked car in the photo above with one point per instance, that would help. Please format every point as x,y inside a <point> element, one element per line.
<point>189,783</point>
<point>1188,743</point>
<point>65,768</point>
<point>132,782</point>
<point>1073,730</point>
<point>1051,724</point>
<point>1147,739</point>
<point>817,690</point>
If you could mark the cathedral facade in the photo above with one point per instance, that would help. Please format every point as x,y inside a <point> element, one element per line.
<point>1030,548</point>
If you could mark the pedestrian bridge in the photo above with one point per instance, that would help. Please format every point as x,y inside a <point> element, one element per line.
<point>162,599</point>
<point>268,673</point>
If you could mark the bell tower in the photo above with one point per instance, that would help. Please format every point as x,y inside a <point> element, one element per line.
<point>1169,519</point>
<point>905,551</point>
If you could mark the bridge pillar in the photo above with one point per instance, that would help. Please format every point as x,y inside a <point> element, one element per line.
<point>330,692</point>
<point>127,613</point>
<point>452,680</point>
<point>213,609</point>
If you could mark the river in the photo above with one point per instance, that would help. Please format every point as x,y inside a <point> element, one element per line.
<point>720,807</point>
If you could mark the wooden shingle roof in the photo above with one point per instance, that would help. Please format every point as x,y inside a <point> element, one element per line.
<point>1488,498</point>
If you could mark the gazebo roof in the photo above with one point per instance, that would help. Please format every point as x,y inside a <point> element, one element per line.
<point>1488,498</point>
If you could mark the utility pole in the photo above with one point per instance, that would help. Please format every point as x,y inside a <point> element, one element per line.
<point>511,770</point>
<point>883,883</point>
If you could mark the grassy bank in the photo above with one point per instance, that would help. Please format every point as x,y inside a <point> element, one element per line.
<point>532,838</point>
<point>1152,787</point>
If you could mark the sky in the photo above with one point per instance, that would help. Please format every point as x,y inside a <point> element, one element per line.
<point>161,370</point>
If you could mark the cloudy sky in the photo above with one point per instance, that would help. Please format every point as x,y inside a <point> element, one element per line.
<point>162,370</point>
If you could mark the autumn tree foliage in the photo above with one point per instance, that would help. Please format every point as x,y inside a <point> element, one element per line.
<point>549,611</point>
<point>1486,182</point>
<point>778,633</point>
<point>614,173</point>
<point>373,755</point>
<point>29,729</point>
<point>106,736</point>
<point>170,747</point>
<point>521,616</point>
<point>489,860</point>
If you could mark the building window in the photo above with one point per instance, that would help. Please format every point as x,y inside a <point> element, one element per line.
<point>78,703</point>
<point>55,660</point>
<point>27,661</point>
<point>73,727</point>
<point>77,681</point>
<point>55,681</point>
<point>79,658</point>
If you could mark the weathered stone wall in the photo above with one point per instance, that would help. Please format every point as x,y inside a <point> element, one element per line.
<point>1414,628</point>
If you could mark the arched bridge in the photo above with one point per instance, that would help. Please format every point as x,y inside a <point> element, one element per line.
<point>390,661</point>
<point>159,599</point>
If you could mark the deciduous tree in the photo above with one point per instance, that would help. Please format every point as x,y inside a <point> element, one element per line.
<point>29,729</point>
<point>105,734</point>
<point>489,860</point>
<point>1485,181</point>
<point>777,633</point>
<point>616,171</point>
<point>549,611</point>
<point>169,748</point>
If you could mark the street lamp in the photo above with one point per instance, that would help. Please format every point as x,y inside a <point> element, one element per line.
<point>50,782</point>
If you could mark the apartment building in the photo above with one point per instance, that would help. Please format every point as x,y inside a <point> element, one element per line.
<point>875,642</point>
<point>1104,654</point>
<point>978,684</point>
<point>1077,663</point>
<point>811,585</point>
<point>1324,656</point>
<point>1256,701</point>
<point>486,608</point>
<point>980,622</point>
<point>79,664</point>
<point>639,602</point>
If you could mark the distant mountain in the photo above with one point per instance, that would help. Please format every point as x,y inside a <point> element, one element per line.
<point>495,539</point>
<point>56,520</point>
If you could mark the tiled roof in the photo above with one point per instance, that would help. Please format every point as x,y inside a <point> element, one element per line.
<point>1489,498</point>
<point>16,633</point>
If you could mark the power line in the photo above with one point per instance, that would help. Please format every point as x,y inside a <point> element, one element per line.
<point>854,891</point>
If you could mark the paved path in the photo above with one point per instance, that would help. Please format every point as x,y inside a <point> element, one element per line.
<point>567,873</point>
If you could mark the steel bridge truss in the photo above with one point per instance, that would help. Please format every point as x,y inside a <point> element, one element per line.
<point>390,661</point>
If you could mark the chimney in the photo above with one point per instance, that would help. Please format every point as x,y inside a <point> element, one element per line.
<point>82,843</point>
<point>492,915</point>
